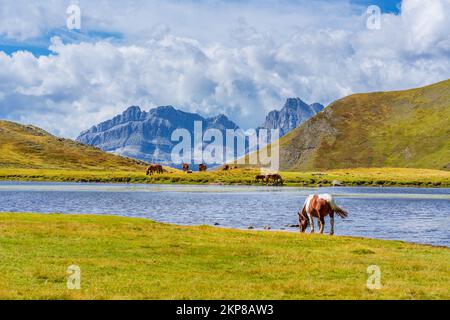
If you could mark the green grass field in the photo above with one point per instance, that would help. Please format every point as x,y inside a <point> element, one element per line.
<point>349,177</point>
<point>125,258</point>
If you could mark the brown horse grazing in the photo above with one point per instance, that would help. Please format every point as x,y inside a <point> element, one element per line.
<point>319,206</point>
<point>154,168</point>
<point>275,178</point>
<point>185,167</point>
<point>260,177</point>
<point>202,167</point>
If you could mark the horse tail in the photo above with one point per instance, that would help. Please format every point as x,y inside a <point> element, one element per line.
<point>338,210</point>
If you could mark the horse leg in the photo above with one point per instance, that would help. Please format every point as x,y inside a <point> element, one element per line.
<point>311,222</point>
<point>331,223</point>
<point>321,224</point>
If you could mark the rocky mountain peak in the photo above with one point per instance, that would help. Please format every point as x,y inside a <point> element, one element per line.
<point>147,135</point>
<point>294,112</point>
<point>294,103</point>
<point>221,121</point>
<point>132,113</point>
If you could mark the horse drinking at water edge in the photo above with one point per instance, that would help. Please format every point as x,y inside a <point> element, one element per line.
<point>319,206</point>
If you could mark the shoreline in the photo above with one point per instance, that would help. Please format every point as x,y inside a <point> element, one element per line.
<point>257,229</point>
<point>212,184</point>
<point>358,177</point>
<point>289,230</point>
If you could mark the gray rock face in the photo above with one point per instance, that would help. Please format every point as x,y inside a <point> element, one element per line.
<point>147,135</point>
<point>293,113</point>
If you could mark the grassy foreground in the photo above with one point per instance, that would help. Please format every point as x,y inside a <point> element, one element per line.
<point>137,258</point>
<point>348,177</point>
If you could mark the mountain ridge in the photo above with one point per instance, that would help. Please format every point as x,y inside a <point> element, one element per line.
<point>408,128</point>
<point>146,135</point>
<point>294,112</point>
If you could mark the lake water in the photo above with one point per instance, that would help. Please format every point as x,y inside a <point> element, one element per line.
<point>409,214</point>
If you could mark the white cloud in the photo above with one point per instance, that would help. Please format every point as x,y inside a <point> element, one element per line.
<point>428,25</point>
<point>23,19</point>
<point>326,56</point>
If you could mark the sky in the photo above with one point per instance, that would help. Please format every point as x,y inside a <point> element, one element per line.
<point>239,58</point>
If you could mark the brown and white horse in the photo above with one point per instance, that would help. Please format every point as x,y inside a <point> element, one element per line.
<point>319,206</point>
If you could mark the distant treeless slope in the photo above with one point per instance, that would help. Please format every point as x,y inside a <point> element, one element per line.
<point>384,129</point>
<point>33,148</point>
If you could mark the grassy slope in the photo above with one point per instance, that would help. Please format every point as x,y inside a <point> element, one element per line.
<point>349,177</point>
<point>137,258</point>
<point>387,129</point>
<point>28,147</point>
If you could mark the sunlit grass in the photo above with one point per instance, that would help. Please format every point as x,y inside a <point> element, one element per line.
<point>246,176</point>
<point>29,147</point>
<point>139,259</point>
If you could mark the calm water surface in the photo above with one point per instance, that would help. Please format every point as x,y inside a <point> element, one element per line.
<point>409,214</point>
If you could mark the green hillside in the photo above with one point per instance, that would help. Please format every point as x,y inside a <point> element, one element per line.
<point>29,147</point>
<point>408,129</point>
